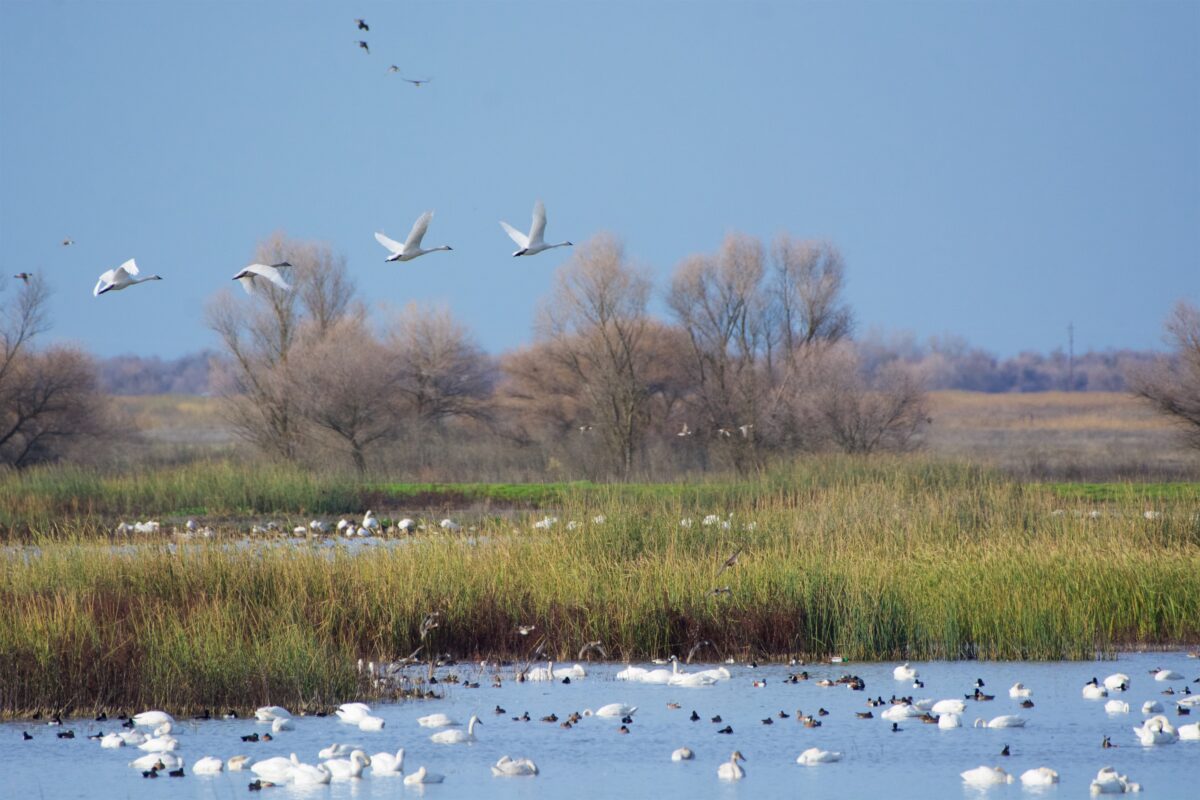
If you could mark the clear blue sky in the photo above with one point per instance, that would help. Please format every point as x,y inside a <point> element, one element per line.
<point>992,170</point>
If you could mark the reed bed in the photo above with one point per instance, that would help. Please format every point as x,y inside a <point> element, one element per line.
<point>878,559</point>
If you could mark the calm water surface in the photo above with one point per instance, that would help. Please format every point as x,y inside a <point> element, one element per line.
<point>920,762</point>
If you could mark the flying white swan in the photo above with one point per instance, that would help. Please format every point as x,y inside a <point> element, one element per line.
<point>352,767</point>
<point>532,244</point>
<point>986,776</point>
<point>457,735</point>
<point>730,770</point>
<point>269,272</point>
<point>412,245</point>
<point>388,764</point>
<point>122,277</point>
<point>814,755</point>
<point>513,767</point>
<point>423,776</point>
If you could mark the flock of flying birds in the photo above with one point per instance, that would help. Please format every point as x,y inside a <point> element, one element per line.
<point>528,244</point>
<point>366,48</point>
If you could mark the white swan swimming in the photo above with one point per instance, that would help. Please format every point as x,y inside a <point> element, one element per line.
<point>276,769</point>
<point>1107,781</point>
<point>1151,707</point>
<point>683,754</point>
<point>1116,707</point>
<point>900,712</point>
<point>1156,730</point>
<point>345,768</point>
<point>1117,682</point>
<point>122,277</point>
<point>438,720</point>
<point>236,763</point>
<point>281,724</point>
<point>167,727</point>
<point>249,275</point>
<point>271,713</point>
<point>353,713</point>
<point>532,244</point>
<point>159,744</point>
<point>1039,776</point>
<point>986,776</point>
<point>1189,732</point>
<point>949,707</point>
<point>1167,675</point>
<point>209,765</point>
<point>411,248</point>
<point>388,764</point>
<point>730,770</point>
<point>422,775</point>
<point>310,775</point>
<point>133,738</point>
<point>1093,691</point>
<point>614,710</point>
<point>457,735</point>
<point>168,760</point>
<point>371,723</point>
<point>111,741</point>
<point>1019,690</point>
<point>815,755</point>
<point>632,674</point>
<point>905,673</point>
<point>949,720</point>
<point>336,750</point>
<point>1004,721</point>
<point>152,719</point>
<point>689,678</point>
<point>513,767</point>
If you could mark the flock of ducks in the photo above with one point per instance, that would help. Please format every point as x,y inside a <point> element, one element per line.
<point>255,275</point>
<point>340,762</point>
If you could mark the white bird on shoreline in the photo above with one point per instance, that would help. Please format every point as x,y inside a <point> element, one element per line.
<point>532,244</point>
<point>122,277</point>
<point>411,248</point>
<point>247,276</point>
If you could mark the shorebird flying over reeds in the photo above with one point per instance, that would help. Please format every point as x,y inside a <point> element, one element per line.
<point>430,622</point>
<point>731,561</point>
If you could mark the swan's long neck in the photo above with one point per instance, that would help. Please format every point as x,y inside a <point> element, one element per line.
<point>471,726</point>
<point>435,249</point>
<point>147,278</point>
<point>400,760</point>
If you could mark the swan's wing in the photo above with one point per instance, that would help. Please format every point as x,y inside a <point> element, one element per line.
<point>246,282</point>
<point>129,267</point>
<point>521,239</point>
<point>418,230</point>
<point>390,244</point>
<point>270,273</point>
<point>539,223</point>
<point>106,279</point>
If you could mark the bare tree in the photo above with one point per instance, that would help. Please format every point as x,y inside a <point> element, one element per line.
<point>595,321</point>
<point>344,388</point>
<point>1172,385</point>
<point>855,412</point>
<point>810,278</point>
<point>440,370</point>
<point>723,306</point>
<point>49,400</point>
<point>259,333</point>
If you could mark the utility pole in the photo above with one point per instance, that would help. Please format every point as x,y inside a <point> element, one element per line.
<point>1070,356</point>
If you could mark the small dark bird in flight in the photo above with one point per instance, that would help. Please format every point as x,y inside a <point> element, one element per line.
<point>68,242</point>
<point>25,276</point>
<point>364,46</point>
<point>418,81</point>
<point>393,68</point>
<point>362,25</point>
